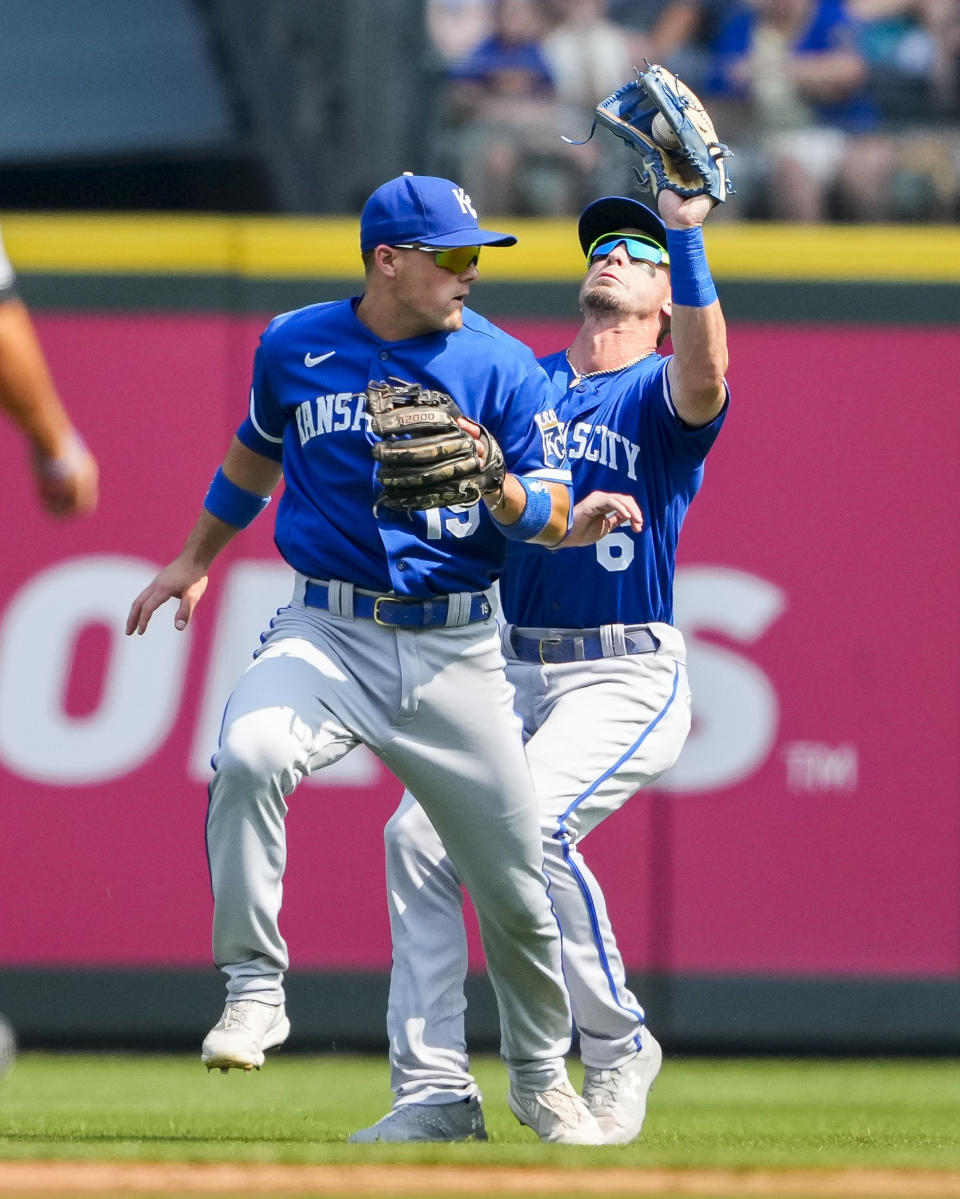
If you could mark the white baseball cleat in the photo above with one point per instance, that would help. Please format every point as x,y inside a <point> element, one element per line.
<point>461,1120</point>
<point>557,1115</point>
<point>618,1098</point>
<point>246,1028</point>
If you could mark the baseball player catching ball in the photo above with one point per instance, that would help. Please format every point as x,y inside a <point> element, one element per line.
<point>598,667</point>
<point>389,640</point>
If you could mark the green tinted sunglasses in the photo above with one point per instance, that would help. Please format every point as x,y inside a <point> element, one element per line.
<point>456,259</point>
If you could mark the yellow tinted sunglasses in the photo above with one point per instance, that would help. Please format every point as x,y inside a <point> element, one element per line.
<point>456,259</point>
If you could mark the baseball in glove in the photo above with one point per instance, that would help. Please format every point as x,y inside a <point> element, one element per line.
<point>659,116</point>
<point>426,460</point>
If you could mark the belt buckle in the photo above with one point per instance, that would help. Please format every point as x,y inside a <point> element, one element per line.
<point>546,641</point>
<point>376,611</point>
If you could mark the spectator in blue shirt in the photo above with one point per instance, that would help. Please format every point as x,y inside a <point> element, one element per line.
<point>503,121</point>
<point>800,115</point>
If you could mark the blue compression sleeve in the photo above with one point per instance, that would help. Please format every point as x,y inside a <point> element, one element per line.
<point>535,515</point>
<point>691,283</point>
<point>232,504</point>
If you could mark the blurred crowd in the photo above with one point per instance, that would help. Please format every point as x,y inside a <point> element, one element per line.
<point>837,110</point>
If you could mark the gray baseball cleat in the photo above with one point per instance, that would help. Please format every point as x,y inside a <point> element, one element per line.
<point>618,1098</point>
<point>246,1028</point>
<point>557,1115</point>
<point>461,1120</point>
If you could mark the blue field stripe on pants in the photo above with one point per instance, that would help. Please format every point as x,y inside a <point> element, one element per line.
<point>562,835</point>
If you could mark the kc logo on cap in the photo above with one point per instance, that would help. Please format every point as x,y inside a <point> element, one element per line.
<point>466,204</point>
<point>424,210</point>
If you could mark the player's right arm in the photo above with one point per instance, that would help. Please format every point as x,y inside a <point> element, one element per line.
<point>66,472</point>
<point>185,578</point>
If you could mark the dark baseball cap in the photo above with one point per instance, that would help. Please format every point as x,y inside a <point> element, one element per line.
<point>426,210</point>
<point>611,213</point>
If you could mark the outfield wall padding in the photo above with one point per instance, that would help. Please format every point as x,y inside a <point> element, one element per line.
<point>792,884</point>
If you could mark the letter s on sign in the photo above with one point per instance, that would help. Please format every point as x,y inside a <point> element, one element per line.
<point>734,703</point>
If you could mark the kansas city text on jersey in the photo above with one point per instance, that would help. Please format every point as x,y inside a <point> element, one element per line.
<point>334,413</point>
<point>597,443</point>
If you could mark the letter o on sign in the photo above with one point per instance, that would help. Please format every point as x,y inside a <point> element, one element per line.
<point>39,739</point>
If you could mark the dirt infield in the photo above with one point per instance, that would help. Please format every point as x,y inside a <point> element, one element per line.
<point>143,1178</point>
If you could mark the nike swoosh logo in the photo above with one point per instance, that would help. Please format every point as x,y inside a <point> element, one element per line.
<point>310,360</point>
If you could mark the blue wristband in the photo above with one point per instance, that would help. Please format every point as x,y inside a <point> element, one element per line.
<point>232,504</point>
<point>691,283</point>
<point>535,515</point>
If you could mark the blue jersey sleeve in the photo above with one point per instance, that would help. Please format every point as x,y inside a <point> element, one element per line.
<point>688,444</point>
<point>266,421</point>
<point>531,433</point>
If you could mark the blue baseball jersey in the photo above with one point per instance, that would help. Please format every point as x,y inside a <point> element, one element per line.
<point>307,410</point>
<point>623,435</point>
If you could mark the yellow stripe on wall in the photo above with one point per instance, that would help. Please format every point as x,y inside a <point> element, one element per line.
<point>295,248</point>
<point>87,244</point>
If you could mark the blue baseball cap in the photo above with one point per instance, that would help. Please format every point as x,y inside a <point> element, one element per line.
<point>619,212</point>
<point>425,210</point>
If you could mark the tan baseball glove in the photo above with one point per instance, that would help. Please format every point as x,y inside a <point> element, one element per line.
<point>426,460</point>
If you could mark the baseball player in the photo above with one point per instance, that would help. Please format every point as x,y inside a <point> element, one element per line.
<point>598,667</point>
<point>66,472</point>
<point>389,639</point>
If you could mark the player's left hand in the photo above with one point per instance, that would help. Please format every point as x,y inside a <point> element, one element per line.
<point>426,457</point>
<point>600,513</point>
<point>679,212</point>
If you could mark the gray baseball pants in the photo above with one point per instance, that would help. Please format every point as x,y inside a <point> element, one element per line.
<point>436,707</point>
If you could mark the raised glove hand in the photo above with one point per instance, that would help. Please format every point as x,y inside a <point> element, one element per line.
<point>426,459</point>
<point>662,119</point>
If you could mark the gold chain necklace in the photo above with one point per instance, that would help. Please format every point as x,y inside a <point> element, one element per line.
<point>610,370</point>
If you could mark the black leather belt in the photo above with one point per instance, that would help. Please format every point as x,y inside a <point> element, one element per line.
<point>396,612</point>
<point>584,645</point>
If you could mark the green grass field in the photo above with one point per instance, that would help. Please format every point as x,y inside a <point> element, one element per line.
<point>740,1115</point>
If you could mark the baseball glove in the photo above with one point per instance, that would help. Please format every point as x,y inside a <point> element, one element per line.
<point>426,459</point>
<point>659,116</point>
